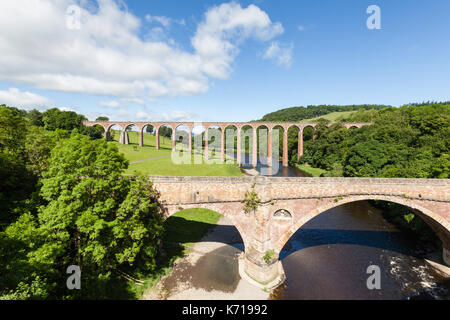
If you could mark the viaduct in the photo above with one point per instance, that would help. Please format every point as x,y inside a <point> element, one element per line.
<point>107,125</point>
<point>288,203</point>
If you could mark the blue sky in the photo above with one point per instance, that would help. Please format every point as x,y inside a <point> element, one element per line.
<point>219,60</point>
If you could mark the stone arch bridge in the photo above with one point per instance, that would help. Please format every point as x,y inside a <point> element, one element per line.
<point>107,125</point>
<point>288,203</point>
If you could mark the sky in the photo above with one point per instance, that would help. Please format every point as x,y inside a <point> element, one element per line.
<point>199,60</point>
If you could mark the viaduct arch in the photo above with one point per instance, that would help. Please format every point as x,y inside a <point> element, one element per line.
<point>288,203</point>
<point>107,125</point>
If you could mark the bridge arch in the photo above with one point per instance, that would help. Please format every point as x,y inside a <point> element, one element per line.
<point>440,226</point>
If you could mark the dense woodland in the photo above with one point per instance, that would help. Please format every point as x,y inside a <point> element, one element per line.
<point>300,113</point>
<point>64,201</point>
<point>410,142</point>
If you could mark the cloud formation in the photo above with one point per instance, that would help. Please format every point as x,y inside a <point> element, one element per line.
<point>22,99</point>
<point>106,56</point>
<point>282,54</point>
<point>109,104</point>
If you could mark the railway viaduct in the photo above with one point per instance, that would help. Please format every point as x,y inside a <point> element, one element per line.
<point>107,125</point>
<point>288,203</point>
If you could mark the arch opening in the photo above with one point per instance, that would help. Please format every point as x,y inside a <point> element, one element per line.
<point>132,134</point>
<point>230,144</point>
<point>113,132</point>
<point>213,243</point>
<point>337,243</point>
<point>391,210</point>
<point>247,133</point>
<point>148,135</point>
<point>214,144</point>
<point>165,136</point>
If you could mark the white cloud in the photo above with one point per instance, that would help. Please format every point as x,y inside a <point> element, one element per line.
<point>301,28</point>
<point>68,109</point>
<point>177,115</point>
<point>106,56</point>
<point>225,27</point>
<point>16,98</point>
<point>109,104</point>
<point>282,54</point>
<point>165,21</point>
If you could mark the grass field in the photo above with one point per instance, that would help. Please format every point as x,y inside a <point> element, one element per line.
<point>189,226</point>
<point>165,166</point>
<point>315,172</point>
<point>334,116</point>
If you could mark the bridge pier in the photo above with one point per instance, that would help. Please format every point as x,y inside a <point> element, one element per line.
<point>107,135</point>
<point>300,145</point>
<point>255,270</point>
<point>446,255</point>
<point>123,139</point>
<point>260,264</point>
<point>141,138</point>
<point>285,148</point>
<point>157,138</point>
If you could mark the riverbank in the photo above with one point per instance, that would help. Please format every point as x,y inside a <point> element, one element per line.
<point>314,172</point>
<point>208,271</point>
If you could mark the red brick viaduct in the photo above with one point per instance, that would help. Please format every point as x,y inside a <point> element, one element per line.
<point>288,203</point>
<point>107,125</point>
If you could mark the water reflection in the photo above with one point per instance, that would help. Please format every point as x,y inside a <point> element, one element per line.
<point>276,170</point>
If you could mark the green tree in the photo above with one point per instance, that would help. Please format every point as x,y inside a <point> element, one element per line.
<point>35,118</point>
<point>95,218</point>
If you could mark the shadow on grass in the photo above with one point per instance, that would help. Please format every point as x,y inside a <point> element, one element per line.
<point>181,230</point>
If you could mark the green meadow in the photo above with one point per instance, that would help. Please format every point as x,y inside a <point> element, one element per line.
<point>159,162</point>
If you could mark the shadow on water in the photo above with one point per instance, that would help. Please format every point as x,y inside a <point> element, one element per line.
<point>386,240</point>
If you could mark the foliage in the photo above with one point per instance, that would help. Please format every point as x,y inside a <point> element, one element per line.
<point>70,121</point>
<point>35,118</point>
<point>251,201</point>
<point>268,256</point>
<point>300,113</point>
<point>406,220</point>
<point>411,141</point>
<point>90,216</point>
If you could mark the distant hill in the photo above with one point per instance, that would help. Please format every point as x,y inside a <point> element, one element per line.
<point>310,112</point>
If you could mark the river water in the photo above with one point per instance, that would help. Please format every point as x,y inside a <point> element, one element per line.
<point>328,259</point>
